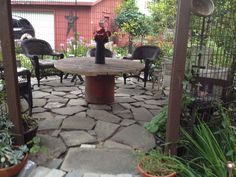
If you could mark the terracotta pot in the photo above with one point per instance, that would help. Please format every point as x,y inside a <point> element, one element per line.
<point>145,174</point>
<point>13,170</point>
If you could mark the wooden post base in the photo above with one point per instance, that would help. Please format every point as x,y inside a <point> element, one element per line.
<point>99,89</point>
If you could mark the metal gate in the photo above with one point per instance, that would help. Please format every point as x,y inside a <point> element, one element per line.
<point>212,54</point>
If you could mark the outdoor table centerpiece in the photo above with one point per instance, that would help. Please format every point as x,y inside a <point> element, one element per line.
<point>101,36</point>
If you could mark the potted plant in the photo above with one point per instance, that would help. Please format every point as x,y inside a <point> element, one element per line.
<point>155,164</point>
<point>12,158</point>
<point>30,126</point>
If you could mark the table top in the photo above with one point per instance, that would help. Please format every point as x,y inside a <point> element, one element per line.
<point>86,66</point>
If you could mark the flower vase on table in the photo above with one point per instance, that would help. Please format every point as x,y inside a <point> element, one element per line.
<point>100,52</point>
<point>101,36</point>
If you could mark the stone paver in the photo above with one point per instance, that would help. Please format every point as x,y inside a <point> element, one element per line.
<point>136,137</point>
<point>38,110</point>
<point>113,144</point>
<point>54,164</point>
<point>50,124</point>
<point>79,123</point>
<point>39,102</point>
<point>69,110</point>
<point>75,138</point>
<point>58,93</point>
<point>53,105</point>
<point>74,173</point>
<point>126,114</point>
<point>116,108</point>
<point>78,101</point>
<point>100,161</point>
<point>39,94</point>
<point>103,115</point>
<point>55,172</point>
<point>124,175</point>
<point>130,91</point>
<point>127,122</point>
<point>100,107</point>
<point>141,114</point>
<point>107,175</point>
<point>91,175</point>
<point>65,89</point>
<point>55,148</point>
<point>43,115</point>
<point>60,100</point>
<point>124,100</point>
<point>40,172</point>
<point>105,129</point>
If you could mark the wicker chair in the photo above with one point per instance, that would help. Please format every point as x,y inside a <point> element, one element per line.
<point>24,84</point>
<point>148,55</point>
<point>36,50</point>
<point>108,53</point>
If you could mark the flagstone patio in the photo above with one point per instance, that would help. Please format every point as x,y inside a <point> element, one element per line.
<point>84,139</point>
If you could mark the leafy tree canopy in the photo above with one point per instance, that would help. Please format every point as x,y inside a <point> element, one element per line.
<point>164,14</point>
<point>130,20</point>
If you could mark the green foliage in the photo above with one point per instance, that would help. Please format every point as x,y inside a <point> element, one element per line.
<point>1,55</point>
<point>158,123</point>
<point>211,150</point>
<point>130,20</point>
<point>36,147</point>
<point>9,154</point>
<point>120,51</point>
<point>25,62</point>
<point>164,15</point>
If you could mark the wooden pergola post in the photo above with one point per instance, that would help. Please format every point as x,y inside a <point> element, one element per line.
<point>10,73</point>
<point>177,75</point>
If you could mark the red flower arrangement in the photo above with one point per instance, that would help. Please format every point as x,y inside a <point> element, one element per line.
<point>102,35</point>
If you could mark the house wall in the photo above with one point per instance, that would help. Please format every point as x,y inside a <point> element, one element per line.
<point>88,17</point>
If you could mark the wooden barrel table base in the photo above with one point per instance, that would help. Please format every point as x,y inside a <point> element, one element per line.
<point>99,89</point>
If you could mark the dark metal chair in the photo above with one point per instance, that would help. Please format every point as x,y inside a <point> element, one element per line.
<point>147,54</point>
<point>24,84</point>
<point>39,51</point>
<point>108,53</point>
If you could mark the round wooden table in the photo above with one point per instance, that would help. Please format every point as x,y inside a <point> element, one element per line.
<point>99,78</point>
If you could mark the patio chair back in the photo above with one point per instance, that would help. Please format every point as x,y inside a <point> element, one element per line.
<point>147,54</point>
<point>108,53</point>
<point>36,49</point>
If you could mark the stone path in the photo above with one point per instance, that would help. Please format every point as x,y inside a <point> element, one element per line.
<point>92,140</point>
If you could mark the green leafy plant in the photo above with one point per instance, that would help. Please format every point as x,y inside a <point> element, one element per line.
<point>209,150</point>
<point>36,146</point>
<point>9,154</point>
<point>158,123</point>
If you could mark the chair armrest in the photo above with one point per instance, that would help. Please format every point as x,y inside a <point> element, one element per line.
<point>58,55</point>
<point>23,72</point>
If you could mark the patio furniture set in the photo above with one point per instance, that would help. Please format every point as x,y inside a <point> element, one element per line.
<point>99,78</point>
